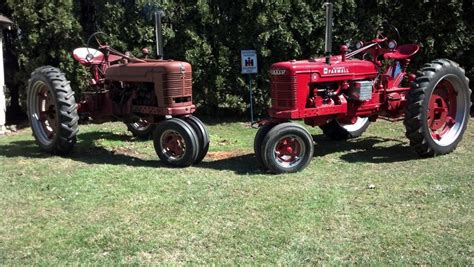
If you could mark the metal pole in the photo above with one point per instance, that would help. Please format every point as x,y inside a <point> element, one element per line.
<point>328,35</point>
<point>251,98</point>
<point>158,34</point>
<point>2,88</point>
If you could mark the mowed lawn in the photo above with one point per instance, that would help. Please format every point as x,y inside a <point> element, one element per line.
<point>366,201</point>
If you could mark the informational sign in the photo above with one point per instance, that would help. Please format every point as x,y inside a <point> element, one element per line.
<point>249,61</point>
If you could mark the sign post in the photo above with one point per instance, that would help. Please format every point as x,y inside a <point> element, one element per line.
<point>249,67</point>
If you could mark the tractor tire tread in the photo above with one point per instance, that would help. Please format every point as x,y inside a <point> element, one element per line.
<point>414,117</point>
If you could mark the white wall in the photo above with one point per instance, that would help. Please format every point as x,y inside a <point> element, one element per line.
<point>2,89</point>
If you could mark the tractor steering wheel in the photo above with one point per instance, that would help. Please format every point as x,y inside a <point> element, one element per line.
<point>91,53</point>
<point>97,39</point>
<point>387,32</point>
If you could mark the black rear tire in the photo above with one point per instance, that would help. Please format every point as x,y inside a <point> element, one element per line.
<point>176,143</point>
<point>287,148</point>
<point>338,131</point>
<point>52,110</point>
<point>202,136</point>
<point>437,110</point>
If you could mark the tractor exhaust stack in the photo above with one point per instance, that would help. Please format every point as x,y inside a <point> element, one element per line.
<point>158,34</point>
<point>328,36</point>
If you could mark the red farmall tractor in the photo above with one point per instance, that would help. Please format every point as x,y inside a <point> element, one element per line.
<point>342,94</point>
<point>152,96</point>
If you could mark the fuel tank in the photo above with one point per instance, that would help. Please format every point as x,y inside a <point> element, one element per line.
<point>172,79</point>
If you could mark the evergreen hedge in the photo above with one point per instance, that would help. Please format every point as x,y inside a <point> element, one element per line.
<point>210,34</point>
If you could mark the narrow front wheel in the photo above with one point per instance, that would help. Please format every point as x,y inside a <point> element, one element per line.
<point>202,135</point>
<point>257,143</point>
<point>175,143</point>
<point>287,148</point>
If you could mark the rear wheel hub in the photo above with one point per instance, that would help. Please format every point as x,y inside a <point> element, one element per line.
<point>442,109</point>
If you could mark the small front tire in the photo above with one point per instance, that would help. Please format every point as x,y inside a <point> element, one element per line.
<point>202,135</point>
<point>287,148</point>
<point>175,143</point>
<point>257,143</point>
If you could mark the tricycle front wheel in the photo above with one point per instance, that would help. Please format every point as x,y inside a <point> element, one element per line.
<point>176,143</point>
<point>287,148</point>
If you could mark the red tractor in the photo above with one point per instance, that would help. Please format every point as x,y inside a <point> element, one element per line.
<point>152,96</point>
<point>342,94</point>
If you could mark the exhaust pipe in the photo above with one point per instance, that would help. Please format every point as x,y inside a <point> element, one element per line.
<point>328,36</point>
<point>158,34</point>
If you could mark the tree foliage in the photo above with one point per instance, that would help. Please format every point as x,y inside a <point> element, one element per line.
<point>210,34</point>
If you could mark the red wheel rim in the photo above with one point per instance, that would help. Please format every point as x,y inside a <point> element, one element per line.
<point>442,110</point>
<point>173,144</point>
<point>44,114</point>
<point>289,151</point>
<point>47,112</point>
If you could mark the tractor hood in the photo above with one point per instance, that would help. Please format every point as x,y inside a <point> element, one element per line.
<point>338,70</point>
<point>150,71</point>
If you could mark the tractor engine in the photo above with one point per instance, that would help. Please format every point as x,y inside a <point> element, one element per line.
<point>317,92</point>
<point>161,87</point>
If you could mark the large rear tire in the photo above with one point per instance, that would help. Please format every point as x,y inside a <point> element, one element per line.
<point>339,131</point>
<point>176,143</point>
<point>202,136</point>
<point>52,110</point>
<point>287,148</point>
<point>437,110</point>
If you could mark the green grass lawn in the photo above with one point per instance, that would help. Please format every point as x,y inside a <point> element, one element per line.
<point>112,201</point>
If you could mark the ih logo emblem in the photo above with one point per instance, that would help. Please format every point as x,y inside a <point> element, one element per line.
<point>335,70</point>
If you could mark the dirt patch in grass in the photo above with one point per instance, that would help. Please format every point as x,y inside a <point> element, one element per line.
<point>225,154</point>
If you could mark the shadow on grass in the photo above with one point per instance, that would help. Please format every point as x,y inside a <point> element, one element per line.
<point>369,149</point>
<point>241,164</point>
<point>85,151</point>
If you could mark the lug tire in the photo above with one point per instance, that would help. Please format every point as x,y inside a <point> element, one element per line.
<point>287,148</point>
<point>175,143</point>
<point>203,137</point>
<point>52,110</point>
<point>141,129</point>
<point>257,143</point>
<point>339,131</point>
<point>437,110</point>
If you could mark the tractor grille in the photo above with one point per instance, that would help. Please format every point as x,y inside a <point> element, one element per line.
<point>283,92</point>
<point>178,87</point>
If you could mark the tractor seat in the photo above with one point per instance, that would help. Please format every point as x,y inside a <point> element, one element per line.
<point>80,54</point>
<point>403,52</point>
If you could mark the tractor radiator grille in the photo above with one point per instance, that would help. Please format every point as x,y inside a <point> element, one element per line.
<point>178,87</point>
<point>283,92</point>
